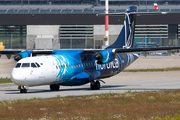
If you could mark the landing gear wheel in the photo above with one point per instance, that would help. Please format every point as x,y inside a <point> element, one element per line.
<point>54,87</point>
<point>95,85</point>
<point>23,90</point>
<point>92,85</point>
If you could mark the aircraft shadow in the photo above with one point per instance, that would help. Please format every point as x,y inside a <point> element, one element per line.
<point>72,89</point>
<point>106,88</point>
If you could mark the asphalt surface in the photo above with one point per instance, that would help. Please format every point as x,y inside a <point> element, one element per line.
<point>139,81</point>
<point>125,81</point>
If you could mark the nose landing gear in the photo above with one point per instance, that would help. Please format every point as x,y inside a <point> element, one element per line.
<point>54,87</point>
<point>22,89</point>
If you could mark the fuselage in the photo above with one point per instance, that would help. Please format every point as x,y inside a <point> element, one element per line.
<point>74,67</point>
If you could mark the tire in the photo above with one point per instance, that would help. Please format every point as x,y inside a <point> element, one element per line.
<point>21,90</point>
<point>25,90</point>
<point>93,85</point>
<point>51,87</point>
<point>97,85</point>
<point>54,87</point>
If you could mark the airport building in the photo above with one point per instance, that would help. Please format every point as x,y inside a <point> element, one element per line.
<point>73,24</point>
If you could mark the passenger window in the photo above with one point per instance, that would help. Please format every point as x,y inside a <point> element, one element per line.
<point>74,65</point>
<point>71,65</point>
<point>18,65</point>
<point>33,65</point>
<point>25,65</point>
<point>37,64</point>
<point>61,66</point>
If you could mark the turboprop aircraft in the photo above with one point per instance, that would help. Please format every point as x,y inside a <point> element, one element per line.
<point>78,67</point>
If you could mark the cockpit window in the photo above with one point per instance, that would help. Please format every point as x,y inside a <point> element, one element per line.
<point>25,65</point>
<point>37,64</point>
<point>18,65</point>
<point>33,65</point>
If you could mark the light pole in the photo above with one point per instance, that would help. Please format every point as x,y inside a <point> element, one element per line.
<point>106,37</point>
<point>11,40</point>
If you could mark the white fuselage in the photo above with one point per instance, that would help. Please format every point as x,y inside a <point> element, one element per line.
<point>43,72</point>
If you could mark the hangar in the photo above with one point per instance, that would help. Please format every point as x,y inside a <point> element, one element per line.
<point>77,26</point>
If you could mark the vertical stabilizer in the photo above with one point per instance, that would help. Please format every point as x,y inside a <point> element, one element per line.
<point>156,6</point>
<point>125,39</point>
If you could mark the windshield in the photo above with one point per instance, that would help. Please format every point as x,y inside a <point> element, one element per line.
<point>33,65</point>
<point>25,65</point>
<point>18,65</point>
<point>37,64</point>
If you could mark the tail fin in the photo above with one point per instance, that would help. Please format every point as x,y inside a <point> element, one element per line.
<point>156,6</point>
<point>125,39</point>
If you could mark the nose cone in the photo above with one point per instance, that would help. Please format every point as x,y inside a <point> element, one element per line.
<point>17,77</point>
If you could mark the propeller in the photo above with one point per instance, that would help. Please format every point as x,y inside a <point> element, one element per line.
<point>17,57</point>
<point>99,57</point>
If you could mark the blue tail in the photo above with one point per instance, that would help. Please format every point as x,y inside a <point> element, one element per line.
<point>125,39</point>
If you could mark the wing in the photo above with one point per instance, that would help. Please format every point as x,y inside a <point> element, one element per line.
<point>19,54</point>
<point>108,55</point>
<point>132,13</point>
<point>135,50</point>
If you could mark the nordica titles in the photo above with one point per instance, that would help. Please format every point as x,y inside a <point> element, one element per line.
<point>113,64</point>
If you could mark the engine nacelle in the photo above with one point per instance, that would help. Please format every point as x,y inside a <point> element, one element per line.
<point>105,56</point>
<point>22,55</point>
<point>17,58</point>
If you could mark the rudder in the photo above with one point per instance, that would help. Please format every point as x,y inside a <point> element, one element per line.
<point>125,39</point>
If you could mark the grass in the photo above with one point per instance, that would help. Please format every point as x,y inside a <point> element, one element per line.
<point>162,105</point>
<point>153,70</point>
<point>3,81</point>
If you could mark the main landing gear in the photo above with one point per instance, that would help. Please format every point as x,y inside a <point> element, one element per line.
<point>54,87</point>
<point>22,89</point>
<point>95,85</point>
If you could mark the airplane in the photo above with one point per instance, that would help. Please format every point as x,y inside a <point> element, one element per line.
<point>78,67</point>
<point>156,6</point>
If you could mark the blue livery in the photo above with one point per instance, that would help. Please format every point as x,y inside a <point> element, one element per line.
<point>78,67</point>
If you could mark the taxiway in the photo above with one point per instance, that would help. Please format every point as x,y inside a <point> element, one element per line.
<point>125,81</point>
